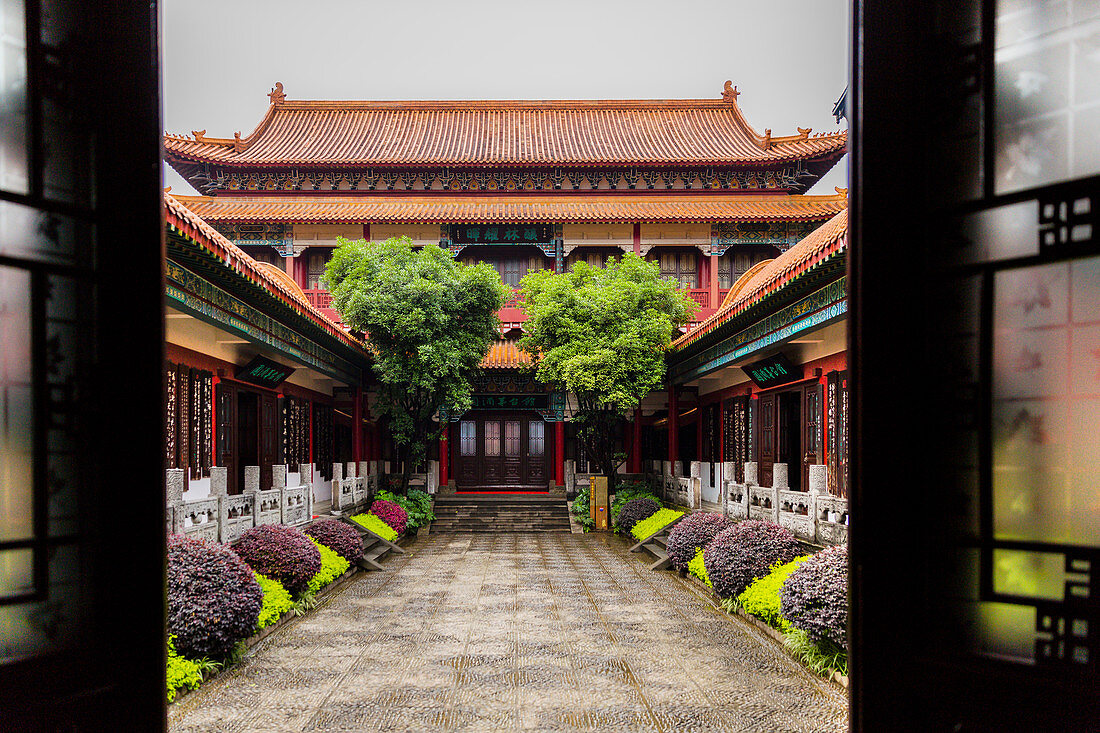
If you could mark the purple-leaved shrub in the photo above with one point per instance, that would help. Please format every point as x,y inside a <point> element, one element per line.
<point>280,552</point>
<point>390,513</point>
<point>213,599</point>
<point>339,537</point>
<point>633,512</point>
<point>693,532</point>
<point>815,596</point>
<point>744,552</point>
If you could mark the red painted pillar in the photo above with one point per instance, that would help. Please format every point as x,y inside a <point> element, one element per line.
<point>444,454</point>
<point>357,426</point>
<point>366,231</point>
<point>721,431</point>
<point>714,281</point>
<point>559,453</point>
<point>636,444</point>
<point>673,425</point>
<point>638,239</point>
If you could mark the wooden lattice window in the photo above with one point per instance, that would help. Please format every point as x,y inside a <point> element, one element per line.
<point>735,263</point>
<point>680,267</point>
<point>536,437</point>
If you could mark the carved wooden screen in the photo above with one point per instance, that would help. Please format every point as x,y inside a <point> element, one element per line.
<point>188,419</point>
<point>171,414</point>
<point>736,434</point>
<point>294,429</point>
<point>323,448</point>
<point>836,417</point>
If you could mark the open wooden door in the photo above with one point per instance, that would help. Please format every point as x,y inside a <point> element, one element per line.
<point>766,446</point>
<point>269,438</point>
<point>225,416</point>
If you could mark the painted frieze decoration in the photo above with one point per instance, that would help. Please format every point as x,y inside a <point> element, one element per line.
<point>817,309</point>
<point>794,177</point>
<point>185,288</point>
<point>780,234</point>
<point>279,236</point>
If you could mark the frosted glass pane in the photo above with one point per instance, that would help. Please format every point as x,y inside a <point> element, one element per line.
<point>16,407</point>
<point>13,98</point>
<point>1039,575</point>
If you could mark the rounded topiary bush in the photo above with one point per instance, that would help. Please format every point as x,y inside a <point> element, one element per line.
<point>693,532</point>
<point>390,513</point>
<point>280,552</point>
<point>746,551</point>
<point>213,599</point>
<point>633,512</point>
<point>815,597</point>
<point>338,536</point>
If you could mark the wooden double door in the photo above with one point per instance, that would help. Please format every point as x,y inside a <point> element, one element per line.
<point>247,432</point>
<point>502,451</point>
<point>789,432</point>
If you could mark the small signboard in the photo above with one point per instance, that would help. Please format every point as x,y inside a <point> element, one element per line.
<point>773,371</point>
<point>511,401</point>
<point>264,372</point>
<point>501,234</point>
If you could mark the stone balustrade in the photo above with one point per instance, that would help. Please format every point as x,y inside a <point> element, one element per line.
<point>814,516</point>
<point>221,517</point>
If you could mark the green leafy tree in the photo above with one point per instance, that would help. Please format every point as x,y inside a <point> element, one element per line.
<point>601,334</point>
<point>428,320</point>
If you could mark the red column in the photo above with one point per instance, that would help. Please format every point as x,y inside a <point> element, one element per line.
<point>357,427</point>
<point>366,231</point>
<point>721,431</point>
<point>559,453</point>
<point>636,444</point>
<point>714,281</point>
<point>214,420</point>
<point>444,450</point>
<point>673,425</point>
<point>637,239</point>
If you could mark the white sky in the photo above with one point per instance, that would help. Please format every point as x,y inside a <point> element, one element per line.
<point>219,59</point>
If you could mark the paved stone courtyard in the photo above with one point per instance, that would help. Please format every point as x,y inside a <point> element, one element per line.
<point>487,632</point>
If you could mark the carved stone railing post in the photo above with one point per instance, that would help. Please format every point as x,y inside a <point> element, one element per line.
<point>174,486</point>
<point>779,476</point>
<point>570,476</point>
<point>751,473</point>
<point>350,473</point>
<point>219,481</point>
<point>251,478</point>
<point>278,476</point>
<point>678,469</point>
<point>306,470</point>
<point>819,479</point>
<point>337,480</point>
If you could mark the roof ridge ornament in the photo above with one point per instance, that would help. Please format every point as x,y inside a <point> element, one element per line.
<point>238,144</point>
<point>276,94</point>
<point>767,138</point>
<point>804,132</point>
<point>200,135</point>
<point>730,93</point>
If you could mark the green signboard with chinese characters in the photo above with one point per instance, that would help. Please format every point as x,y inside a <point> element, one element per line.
<point>773,371</point>
<point>501,233</point>
<point>264,372</point>
<point>511,401</point>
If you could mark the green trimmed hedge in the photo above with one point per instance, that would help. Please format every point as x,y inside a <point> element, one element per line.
<point>376,525</point>
<point>277,601</point>
<point>646,527</point>
<point>332,567</point>
<point>761,598</point>
<point>698,569</point>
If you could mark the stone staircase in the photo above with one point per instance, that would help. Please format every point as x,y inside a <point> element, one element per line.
<point>500,513</point>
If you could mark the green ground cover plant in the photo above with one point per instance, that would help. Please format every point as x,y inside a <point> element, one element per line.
<point>277,601</point>
<point>332,567</point>
<point>376,525</point>
<point>761,598</point>
<point>417,505</point>
<point>821,658</point>
<point>181,672</point>
<point>697,568</point>
<point>648,526</point>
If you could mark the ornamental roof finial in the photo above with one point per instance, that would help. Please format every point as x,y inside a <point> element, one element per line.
<point>730,93</point>
<point>276,94</point>
<point>238,144</point>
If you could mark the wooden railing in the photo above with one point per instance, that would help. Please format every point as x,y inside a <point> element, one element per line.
<point>702,296</point>
<point>319,298</point>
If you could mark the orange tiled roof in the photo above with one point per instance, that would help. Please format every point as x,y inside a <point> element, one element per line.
<point>821,244</point>
<point>191,225</point>
<point>505,355</point>
<point>488,132</point>
<point>445,208</point>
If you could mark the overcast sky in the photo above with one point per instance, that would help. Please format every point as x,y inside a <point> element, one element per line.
<point>787,57</point>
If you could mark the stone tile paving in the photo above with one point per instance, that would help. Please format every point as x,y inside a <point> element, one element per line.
<point>489,632</point>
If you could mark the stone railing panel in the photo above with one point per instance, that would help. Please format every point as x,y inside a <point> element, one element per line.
<point>832,520</point>
<point>796,513</point>
<point>238,515</point>
<point>295,505</point>
<point>763,503</point>
<point>169,519</point>
<point>737,500</point>
<point>198,518</point>
<point>269,507</point>
<point>359,489</point>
